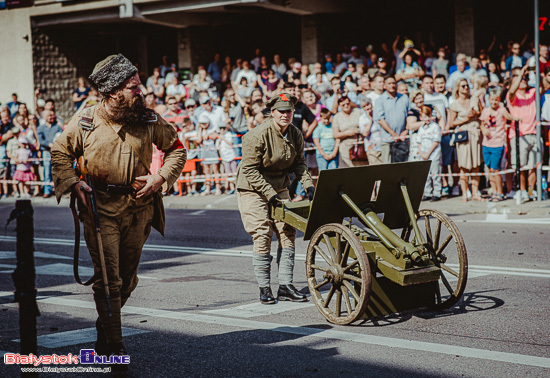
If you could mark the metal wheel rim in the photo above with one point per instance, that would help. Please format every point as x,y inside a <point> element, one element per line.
<point>361,275</point>
<point>432,235</point>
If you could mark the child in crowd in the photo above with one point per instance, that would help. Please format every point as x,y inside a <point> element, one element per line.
<point>3,171</point>
<point>371,132</point>
<point>206,138</point>
<point>23,172</point>
<point>493,128</point>
<point>325,145</point>
<point>255,116</point>
<point>429,145</point>
<point>228,156</point>
<point>188,137</point>
<point>11,149</point>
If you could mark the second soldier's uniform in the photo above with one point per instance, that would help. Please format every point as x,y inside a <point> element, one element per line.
<point>267,157</point>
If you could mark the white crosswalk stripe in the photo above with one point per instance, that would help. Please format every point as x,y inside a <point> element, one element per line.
<point>77,336</point>
<point>331,334</point>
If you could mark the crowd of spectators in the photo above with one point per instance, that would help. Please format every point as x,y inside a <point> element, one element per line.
<point>400,102</point>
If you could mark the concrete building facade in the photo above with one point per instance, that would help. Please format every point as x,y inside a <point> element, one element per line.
<point>51,43</point>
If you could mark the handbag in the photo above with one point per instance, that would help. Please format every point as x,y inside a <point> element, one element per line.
<point>459,137</point>
<point>357,151</point>
<point>399,151</point>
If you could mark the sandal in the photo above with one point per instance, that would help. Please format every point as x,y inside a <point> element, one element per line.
<point>477,197</point>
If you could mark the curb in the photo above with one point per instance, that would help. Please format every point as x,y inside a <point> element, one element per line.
<point>450,206</point>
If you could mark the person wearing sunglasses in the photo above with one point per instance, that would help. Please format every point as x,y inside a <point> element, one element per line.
<point>464,116</point>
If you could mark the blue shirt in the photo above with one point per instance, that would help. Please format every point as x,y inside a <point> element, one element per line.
<point>543,98</point>
<point>326,137</point>
<point>13,107</point>
<point>215,70</point>
<point>3,156</point>
<point>394,111</point>
<point>46,135</point>
<point>457,75</point>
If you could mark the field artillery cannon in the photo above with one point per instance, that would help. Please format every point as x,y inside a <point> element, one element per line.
<point>356,265</point>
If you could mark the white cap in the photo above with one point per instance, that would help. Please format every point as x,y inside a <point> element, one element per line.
<point>203,118</point>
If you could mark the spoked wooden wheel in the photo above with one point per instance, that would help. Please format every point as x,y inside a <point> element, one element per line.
<point>448,253</point>
<point>338,273</point>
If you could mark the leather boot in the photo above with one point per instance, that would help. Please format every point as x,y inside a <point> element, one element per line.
<point>111,325</point>
<point>266,296</point>
<point>289,293</point>
<point>118,349</point>
<point>101,348</point>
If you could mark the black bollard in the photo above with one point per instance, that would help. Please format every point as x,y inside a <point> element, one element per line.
<point>24,280</point>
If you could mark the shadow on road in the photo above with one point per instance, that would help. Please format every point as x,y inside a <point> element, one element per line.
<point>471,302</point>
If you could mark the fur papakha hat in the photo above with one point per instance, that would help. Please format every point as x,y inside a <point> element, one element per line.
<point>111,72</point>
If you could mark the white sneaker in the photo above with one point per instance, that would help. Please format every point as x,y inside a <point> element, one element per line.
<point>533,195</point>
<point>511,194</point>
<point>524,196</point>
<point>456,191</point>
<point>469,194</point>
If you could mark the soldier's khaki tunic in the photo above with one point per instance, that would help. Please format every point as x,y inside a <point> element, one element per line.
<point>125,221</point>
<point>267,158</point>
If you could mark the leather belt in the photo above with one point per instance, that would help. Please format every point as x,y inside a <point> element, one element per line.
<point>114,189</point>
<point>273,174</point>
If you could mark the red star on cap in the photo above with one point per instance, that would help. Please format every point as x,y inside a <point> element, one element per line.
<point>283,97</point>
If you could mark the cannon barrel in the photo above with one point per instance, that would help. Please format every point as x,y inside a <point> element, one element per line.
<point>385,234</point>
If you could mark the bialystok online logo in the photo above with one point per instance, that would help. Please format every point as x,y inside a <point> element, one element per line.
<point>87,356</point>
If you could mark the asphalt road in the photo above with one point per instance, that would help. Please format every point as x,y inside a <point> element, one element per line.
<point>196,310</point>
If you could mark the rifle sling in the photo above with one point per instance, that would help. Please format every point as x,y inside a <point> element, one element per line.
<point>86,123</point>
<point>77,244</point>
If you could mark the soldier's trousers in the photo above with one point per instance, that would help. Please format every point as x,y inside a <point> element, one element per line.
<point>123,238</point>
<point>258,223</point>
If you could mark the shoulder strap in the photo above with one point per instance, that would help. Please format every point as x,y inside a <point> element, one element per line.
<point>86,120</point>
<point>76,249</point>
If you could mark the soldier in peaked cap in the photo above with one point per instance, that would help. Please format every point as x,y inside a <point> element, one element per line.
<point>270,151</point>
<point>115,137</point>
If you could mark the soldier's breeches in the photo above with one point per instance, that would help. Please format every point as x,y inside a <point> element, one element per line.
<point>123,239</point>
<point>258,223</point>
<point>286,266</point>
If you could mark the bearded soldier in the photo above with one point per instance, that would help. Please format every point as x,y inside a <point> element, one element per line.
<point>115,139</point>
